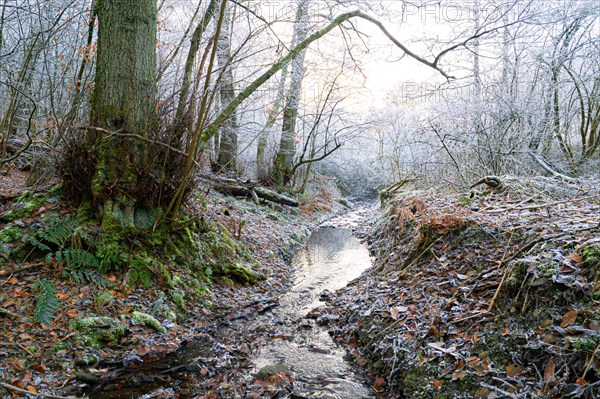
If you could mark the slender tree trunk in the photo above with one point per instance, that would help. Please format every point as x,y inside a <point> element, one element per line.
<point>284,160</point>
<point>2,27</point>
<point>124,101</point>
<point>191,58</point>
<point>227,151</point>
<point>261,159</point>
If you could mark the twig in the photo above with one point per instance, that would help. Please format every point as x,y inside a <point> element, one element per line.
<point>4,312</point>
<point>18,345</point>
<point>119,133</point>
<point>471,317</point>
<point>491,305</point>
<point>502,391</point>
<point>418,257</point>
<point>497,210</point>
<point>45,395</point>
<point>589,365</point>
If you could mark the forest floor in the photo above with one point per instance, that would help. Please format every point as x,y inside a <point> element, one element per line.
<point>491,294</point>
<point>147,337</point>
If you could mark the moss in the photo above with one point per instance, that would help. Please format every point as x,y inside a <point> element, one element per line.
<point>240,273</point>
<point>140,270</point>
<point>86,210</point>
<point>160,307</point>
<point>591,256</point>
<point>99,331</point>
<point>178,298</point>
<point>417,383</point>
<point>26,203</point>
<point>145,319</point>
<point>10,234</point>
<point>200,288</point>
<point>591,260</point>
<point>58,347</point>
<point>101,300</point>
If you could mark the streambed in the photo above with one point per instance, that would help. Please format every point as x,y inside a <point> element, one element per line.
<point>228,359</point>
<point>330,259</point>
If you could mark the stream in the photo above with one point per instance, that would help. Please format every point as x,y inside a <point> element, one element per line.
<point>330,259</point>
<point>280,338</point>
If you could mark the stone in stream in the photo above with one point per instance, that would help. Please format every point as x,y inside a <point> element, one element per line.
<point>272,369</point>
<point>325,319</point>
<point>326,295</point>
<point>315,313</point>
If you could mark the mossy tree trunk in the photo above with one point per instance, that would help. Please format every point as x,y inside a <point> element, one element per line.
<point>123,105</point>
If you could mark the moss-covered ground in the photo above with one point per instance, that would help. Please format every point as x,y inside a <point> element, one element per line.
<point>128,296</point>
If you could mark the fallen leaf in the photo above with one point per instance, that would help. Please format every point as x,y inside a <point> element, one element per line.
<point>13,280</point>
<point>394,312</point>
<point>31,389</point>
<point>72,313</point>
<point>506,331</point>
<point>549,372</point>
<point>437,385</point>
<point>40,367</point>
<point>569,318</point>
<point>379,382</point>
<point>511,370</point>
<point>473,360</point>
<point>581,381</point>
<point>19,364</point>
<point>459,375</point>
<point>575,258</point>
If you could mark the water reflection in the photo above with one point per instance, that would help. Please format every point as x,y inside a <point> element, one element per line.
<point>331,258</point>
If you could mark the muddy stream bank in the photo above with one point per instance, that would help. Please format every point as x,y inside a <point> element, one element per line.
<point>278,347</point>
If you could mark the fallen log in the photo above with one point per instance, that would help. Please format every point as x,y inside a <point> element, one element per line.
<point>273,196</point>
<point>248,189</point>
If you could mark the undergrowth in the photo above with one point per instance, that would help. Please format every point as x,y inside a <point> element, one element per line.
<point>46,302</point>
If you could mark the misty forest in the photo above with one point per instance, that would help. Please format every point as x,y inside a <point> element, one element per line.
<point>299,199</point>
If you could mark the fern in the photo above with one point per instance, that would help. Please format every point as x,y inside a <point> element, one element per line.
<point>82,277</point>
<point>59,231</point>
<point>75,258</point>
<point>38,244</point>
<point>46,303</point>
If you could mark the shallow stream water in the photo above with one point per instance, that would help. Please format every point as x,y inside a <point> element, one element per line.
<point>330,259</point>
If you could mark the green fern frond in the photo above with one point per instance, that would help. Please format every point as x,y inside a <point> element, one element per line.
<point>38,244</point>
<point>75,258</point>
<point>59,231</point>
<point>46,302</point>
<point>83,277</point>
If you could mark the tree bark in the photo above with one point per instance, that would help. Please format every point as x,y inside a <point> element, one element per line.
<point>284,159</point>
<point>227,151</point>
<point>124,99</point>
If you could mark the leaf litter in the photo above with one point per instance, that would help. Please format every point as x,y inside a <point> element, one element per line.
<point>493,294</point>
<point>197,356</point>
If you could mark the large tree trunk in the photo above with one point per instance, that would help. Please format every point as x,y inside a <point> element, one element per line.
<point>124,104</point>
<point>284,160</point>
